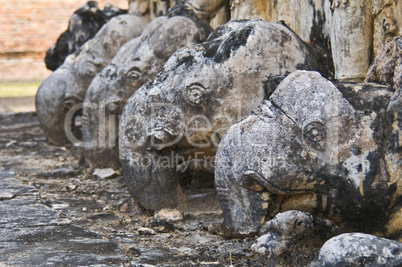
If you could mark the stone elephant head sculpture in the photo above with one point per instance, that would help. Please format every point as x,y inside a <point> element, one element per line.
<point>335,153</point>
<point>137,62</point>
<point>66,87</point>
<point>201,91</point>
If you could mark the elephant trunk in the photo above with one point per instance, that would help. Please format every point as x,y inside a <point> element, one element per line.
<point>151,179</point>
<point>242,194</point>
<point>100,124</point>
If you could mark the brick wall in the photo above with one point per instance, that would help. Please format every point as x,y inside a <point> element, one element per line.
<point>28,28</point>
<point>34,25</point>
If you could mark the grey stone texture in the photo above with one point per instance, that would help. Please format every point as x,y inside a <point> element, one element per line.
<point>136,63</point>
<point>307,18</point>
<point>314,149</point>
<point>63,91</point>
<point>180,117</point>
<point>32,234</point>
<point>329,150</point>
<point>351,31</point>
<point>358,249</point>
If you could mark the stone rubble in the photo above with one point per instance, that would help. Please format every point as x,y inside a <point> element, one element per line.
<point>358,249</point>
<point>291,231</point>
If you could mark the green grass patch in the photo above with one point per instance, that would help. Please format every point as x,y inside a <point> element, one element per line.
<point>16,89</point>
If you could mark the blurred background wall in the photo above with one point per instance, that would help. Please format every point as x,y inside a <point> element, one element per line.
<point>28,28</point>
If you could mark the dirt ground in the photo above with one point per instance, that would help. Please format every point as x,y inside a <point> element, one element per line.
<point>102,206</point>
<point>17,104</point>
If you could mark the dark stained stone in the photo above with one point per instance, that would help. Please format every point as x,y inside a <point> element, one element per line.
<point>83,25</point>
<point>313,147</point>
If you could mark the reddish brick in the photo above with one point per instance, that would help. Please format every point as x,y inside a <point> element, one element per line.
<point>37,22</point>
<point>34,26</point>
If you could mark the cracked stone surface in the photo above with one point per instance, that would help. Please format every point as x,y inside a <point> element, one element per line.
<point>34,233</point>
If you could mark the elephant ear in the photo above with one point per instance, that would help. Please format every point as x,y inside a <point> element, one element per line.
<point>176,33</point>
<point>306,94</point>
<point>319,109</point>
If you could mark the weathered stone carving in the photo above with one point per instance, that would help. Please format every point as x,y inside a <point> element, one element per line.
<point>201,91</point>
<point>357,249</point>
<point>221,17</point>
<point>83,25</point>
<point>387,67</point>
<point>66,87</point>
<point>137,62</point>
<point>314,148</point>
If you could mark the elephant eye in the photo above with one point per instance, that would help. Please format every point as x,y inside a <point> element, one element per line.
<point>133,74</point>
<point>314,132</point>
<point>88,69</point>
<point>195,94</point>
<point>110,71</point>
